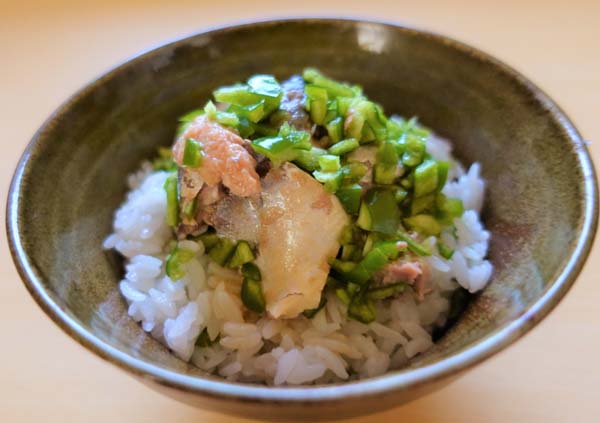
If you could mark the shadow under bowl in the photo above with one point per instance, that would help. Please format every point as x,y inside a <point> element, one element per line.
<point>541,204</point>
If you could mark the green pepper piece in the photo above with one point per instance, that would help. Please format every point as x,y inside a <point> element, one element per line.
<point>267,87</point>
<point>414,151</point>
<point>251,271</point>
<point>331,181</point>
<point>283,147</point>
<point>334,88</point>
<point>413,245</point>
<point>342,294</point>
<point>383,211</point>
<point>243,254</point>
<point>353,124</point>
<point>444,250</point>
<point>364,221</point>
<point>329,163</point>
<point>375,259</point>
<point>422,204</point>
<point>424,224</point>
<point>362,309</point>
<point>222,251</point>
<point>343,147</point>
<point>443,168</point>
<point>172,193</point>
<point>209,239</point>
<point>425,178</point>
<point>343,105</point>
<point>373,121</point>
<point>176,258</point>
<point>253,112</point>
<point>385,292</point>
<point>448,209</point>
<point>192,153</point>
<point>386,163</point>
<point>252,295</point>
<point>349,196</point>
<point>191,208</point>
<point>317,103</point>
<point>335,129</point>
<point>354,172</point>
<point>309,159</point>
<point>342,267</point>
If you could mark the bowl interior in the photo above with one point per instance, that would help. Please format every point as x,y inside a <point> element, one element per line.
<point>74,176</point>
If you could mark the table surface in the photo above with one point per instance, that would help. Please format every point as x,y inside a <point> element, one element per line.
<point>49,49</point>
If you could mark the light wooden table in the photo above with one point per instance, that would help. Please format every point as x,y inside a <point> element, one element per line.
<point>49,49</point>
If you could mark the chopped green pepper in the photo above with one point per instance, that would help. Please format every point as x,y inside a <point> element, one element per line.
<point>329,163</point>
<point>423,223</point>
<point>334,88</point>
<point>243,254</point>
<point>171,190</point>
<point>190,208</point>
<point>222,251</point>
<point>422,204</point>
<point>444,250</point>
<point>386,164</point>
<point>413,245</point>
<point>354,172</point>
<point>192,153</point>
<point>342,294</point>
<point>309,159</point>
<point>426,178</point>
<point>252,295</point>
<point>353,125</point>
<point>364,221</point>
<point>349,196</point>
<point>316,98</point>
<point>448,209</point>
<point>385,292</point>
<point>414,151</point>
<point>176,258</point>
<point>383,212</point>
<point>251,271</point>
<point>209,239</point>
<point>284,146</point>
<point>331,181</point>
<point>362,309</point>
<point>335,129</point>
<point>343,147</point>
<point>375,259</point>
<point>342,267</point>
<point>443,168</point>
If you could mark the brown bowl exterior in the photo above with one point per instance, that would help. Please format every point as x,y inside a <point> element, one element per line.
<point>541,204</point>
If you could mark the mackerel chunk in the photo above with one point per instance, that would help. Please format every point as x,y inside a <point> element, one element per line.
<point>300,224</point>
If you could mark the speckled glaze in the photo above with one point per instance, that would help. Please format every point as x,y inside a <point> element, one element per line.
<point>541,204</point>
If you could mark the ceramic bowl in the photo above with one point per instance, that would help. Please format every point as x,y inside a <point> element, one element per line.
<point>541,203</point>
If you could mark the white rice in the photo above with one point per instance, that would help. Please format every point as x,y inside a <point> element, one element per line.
<point>328,348</point>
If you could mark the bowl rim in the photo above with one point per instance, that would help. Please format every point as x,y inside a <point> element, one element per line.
<point>391,381</point>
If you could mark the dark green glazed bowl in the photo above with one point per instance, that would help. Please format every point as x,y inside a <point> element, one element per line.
<point>541,204</point>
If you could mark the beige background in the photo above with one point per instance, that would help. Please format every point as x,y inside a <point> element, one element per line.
<point>49,49</point>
